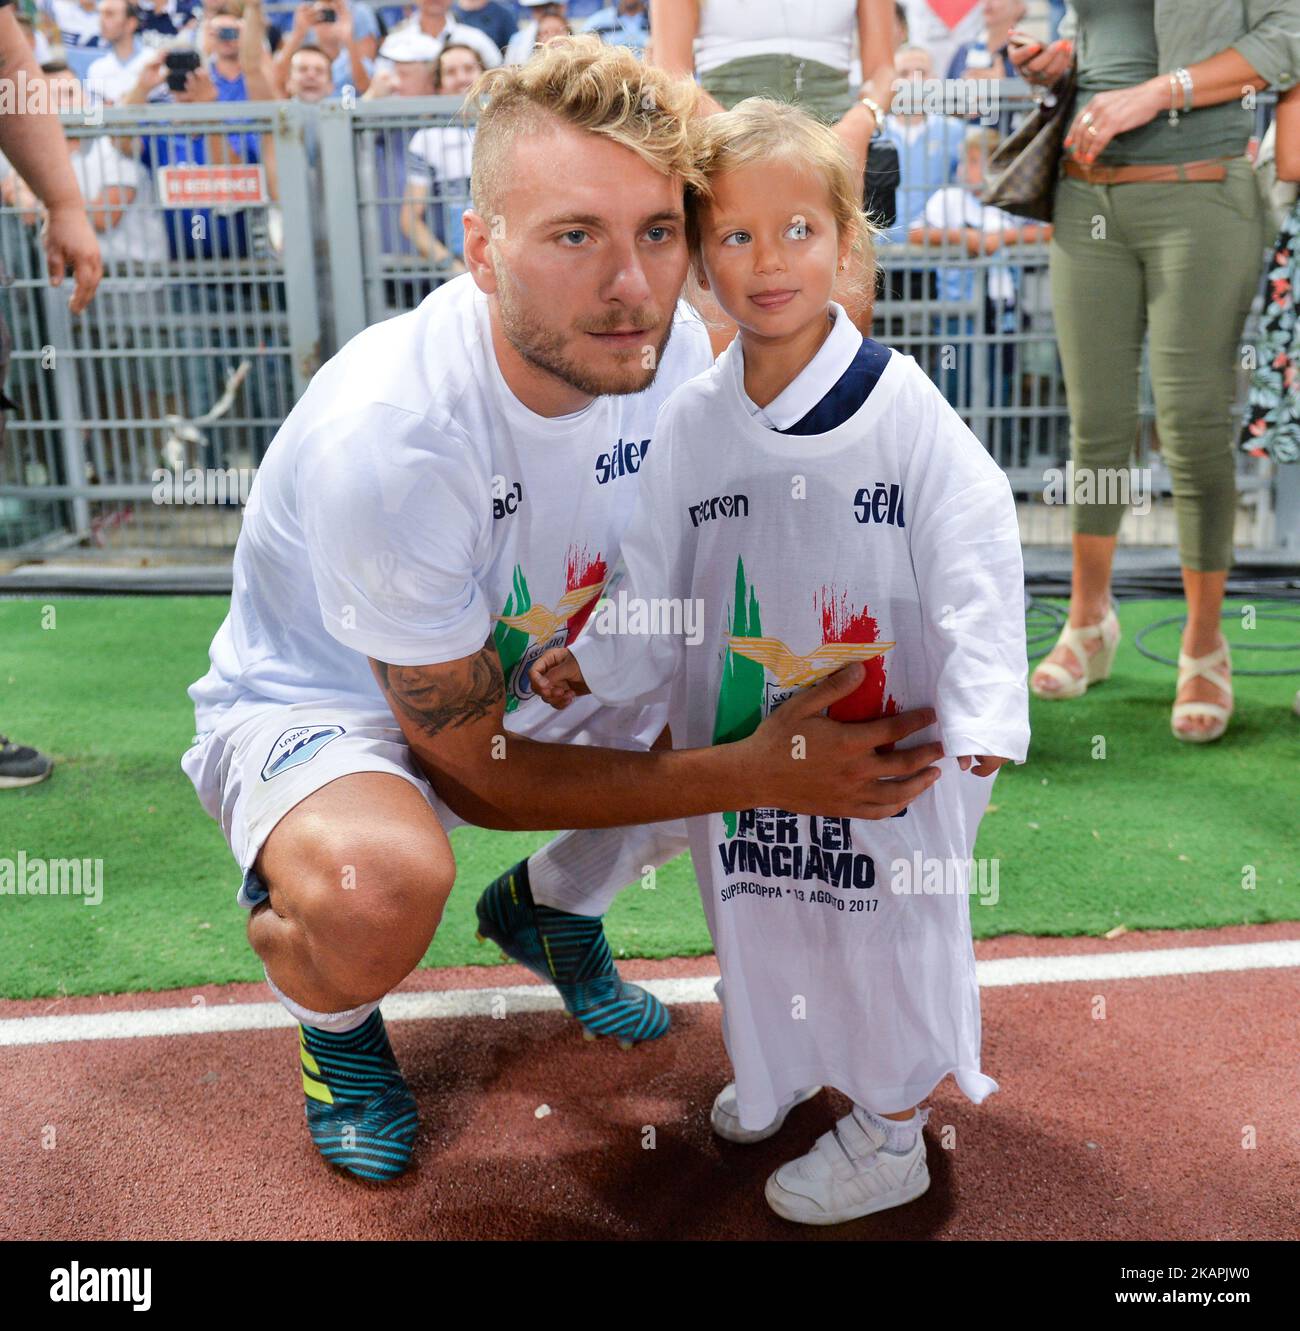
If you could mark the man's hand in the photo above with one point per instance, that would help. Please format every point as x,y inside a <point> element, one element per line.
<point>152,74</point>
<point>70,242</point>
<point>557,678</point>
<point>453,717</point>
<point>199,87</point>
<point>837,768</point>
<point>384,84</point>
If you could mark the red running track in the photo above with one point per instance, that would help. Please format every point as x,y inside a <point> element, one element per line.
<point>1131,1127</point>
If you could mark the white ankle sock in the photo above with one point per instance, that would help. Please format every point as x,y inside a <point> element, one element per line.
<point>901,1134</point>
<point>337,1023</point>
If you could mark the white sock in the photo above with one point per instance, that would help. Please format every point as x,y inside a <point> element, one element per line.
<point>901,1134</point>
<point>582,872</point>
<point>337,1023</point>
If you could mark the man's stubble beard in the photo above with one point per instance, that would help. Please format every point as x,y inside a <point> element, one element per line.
<point>543,347</point>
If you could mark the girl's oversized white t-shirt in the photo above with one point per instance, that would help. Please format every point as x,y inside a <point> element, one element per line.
<point>844,945</point>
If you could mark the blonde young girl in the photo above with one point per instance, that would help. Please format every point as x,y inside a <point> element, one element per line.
<point>822,506</point>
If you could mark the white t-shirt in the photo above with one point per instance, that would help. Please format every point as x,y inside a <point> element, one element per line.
<point>112,78</point>
<point>891,539</point>
<point>955,206</point>
<point>410,505</point>
<point>821,30</point>
<point>139,236</point>
<point>461,34</point>
<point>77,26</point>
<point>442,153</point>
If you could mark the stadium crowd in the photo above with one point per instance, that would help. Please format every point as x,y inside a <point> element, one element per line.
<point>116,52</point>
<point>136,52</point>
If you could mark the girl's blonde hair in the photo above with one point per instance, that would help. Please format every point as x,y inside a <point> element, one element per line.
<point>759,130</point>
<point>582,82</point>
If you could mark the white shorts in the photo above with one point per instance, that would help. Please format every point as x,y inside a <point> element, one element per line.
<point>262,759</point>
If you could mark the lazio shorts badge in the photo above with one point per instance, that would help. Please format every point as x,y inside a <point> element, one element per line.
<point>296,747</point>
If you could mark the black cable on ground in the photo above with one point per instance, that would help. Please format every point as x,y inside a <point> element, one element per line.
<point>1043,623</point>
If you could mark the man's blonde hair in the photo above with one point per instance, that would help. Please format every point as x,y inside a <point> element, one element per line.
<point>580,81</point>
<point>761,130</point>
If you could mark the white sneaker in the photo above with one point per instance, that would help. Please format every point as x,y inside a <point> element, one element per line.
<point>726,1121</point>
<point>847,1175</point>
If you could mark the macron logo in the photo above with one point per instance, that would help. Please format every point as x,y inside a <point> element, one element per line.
<point>94,1284</point>
<point>720,506</point>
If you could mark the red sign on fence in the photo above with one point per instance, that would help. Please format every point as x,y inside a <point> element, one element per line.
<point>211,186</point>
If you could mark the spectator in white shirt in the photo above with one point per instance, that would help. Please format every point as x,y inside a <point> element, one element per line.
<point>114,73</point>
<point>432,18</point>
<point>775,48</point>
<point>438,165</point>
<point>957,219</point>
<point>930,145</point>
<point>406,65</point>
<point>70,22</point>
<point>122,208</point>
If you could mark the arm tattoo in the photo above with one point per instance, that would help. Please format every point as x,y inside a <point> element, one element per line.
<point>436,698</point>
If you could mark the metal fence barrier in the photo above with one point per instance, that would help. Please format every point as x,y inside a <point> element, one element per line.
<point>226,286</point>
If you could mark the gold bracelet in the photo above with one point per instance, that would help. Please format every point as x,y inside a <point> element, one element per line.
<point>874,107</point>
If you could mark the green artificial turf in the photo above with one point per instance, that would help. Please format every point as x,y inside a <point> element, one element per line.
<point>1156,834</point>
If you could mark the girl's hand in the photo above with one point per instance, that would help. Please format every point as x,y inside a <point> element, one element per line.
<point>557,678</point>
<point>984,764</point>
<point>1115,112</point>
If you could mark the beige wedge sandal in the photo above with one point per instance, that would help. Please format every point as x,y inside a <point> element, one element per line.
<point>1189,667</point>
<point>1095,667</point>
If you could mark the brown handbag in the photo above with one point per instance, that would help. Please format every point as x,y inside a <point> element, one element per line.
<point>1021,172</point>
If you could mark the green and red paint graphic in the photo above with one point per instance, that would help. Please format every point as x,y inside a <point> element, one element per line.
<point>840,623</point>
<point>742,690</point>
<point>581,570</point>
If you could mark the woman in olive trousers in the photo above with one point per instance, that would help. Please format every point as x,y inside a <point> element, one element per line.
<point>1159,230</point>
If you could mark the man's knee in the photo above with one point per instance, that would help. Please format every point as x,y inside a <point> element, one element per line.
<point>365,895</point>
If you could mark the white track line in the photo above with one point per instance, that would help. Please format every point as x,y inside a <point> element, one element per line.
<point>206,1019</point>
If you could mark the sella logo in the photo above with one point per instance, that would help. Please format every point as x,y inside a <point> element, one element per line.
<point>882,504</point>
<point>624,459</point>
